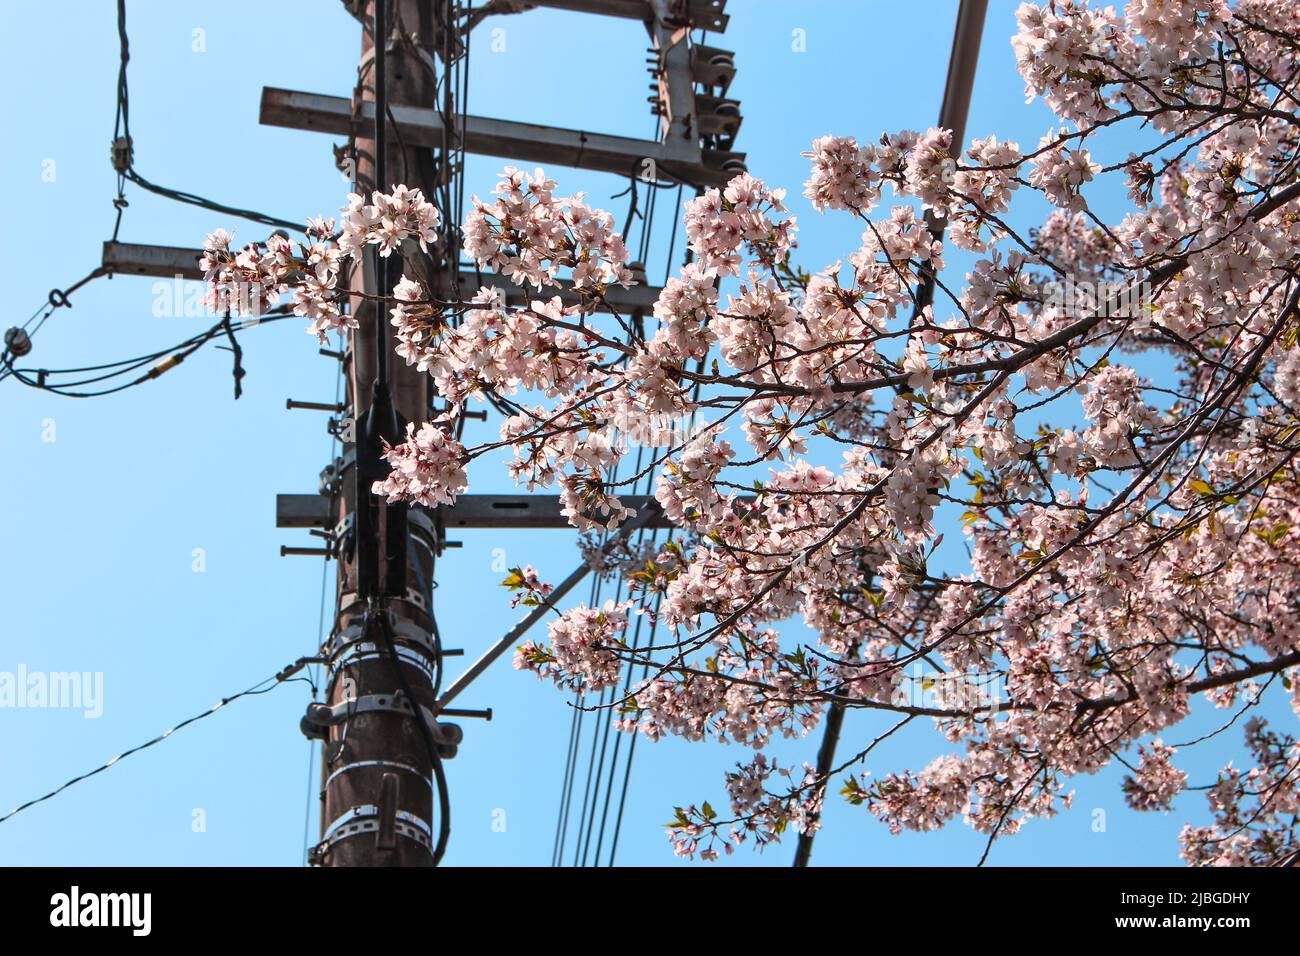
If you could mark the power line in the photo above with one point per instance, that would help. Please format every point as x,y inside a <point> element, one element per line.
<point>124,152</point>
<point>320,630</point>
<point>283,676</point>
<point>40,378</point>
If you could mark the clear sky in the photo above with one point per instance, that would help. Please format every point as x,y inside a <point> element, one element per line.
<point>138,529</point>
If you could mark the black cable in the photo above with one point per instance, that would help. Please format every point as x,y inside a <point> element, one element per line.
<point>575,738</point>
<point>320,629</point>
<point>196,200</point>
<point>592,787</point>
<point>631,749</point>
<point>45,307</point>
<point>456,215</point>
<point>647,228</point>
<point>654,617</point>
<point>618,741</point>
<point>564,784</point>
<point>127,170</point>
<point>122,124</point>
<point>380,48</point>
<point>238,371</point>
<point>672,241</point>
<point>591,790</point>
<point>283,676</point>
<point>178,352</point>
<point>607,701</point>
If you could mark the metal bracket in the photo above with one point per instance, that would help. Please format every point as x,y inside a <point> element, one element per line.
<point>331,477</point>
<point>321,717</point>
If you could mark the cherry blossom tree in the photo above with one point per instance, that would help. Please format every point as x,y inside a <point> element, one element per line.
<point>1106,414</point>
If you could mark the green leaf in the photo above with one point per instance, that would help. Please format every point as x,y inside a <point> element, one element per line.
<point>853,791</point>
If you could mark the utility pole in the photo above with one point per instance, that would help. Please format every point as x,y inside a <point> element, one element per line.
<point>379,774</point>
<point>382,738</point>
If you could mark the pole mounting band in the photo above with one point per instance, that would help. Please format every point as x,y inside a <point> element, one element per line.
<point>360,820</point>
<point>386,764</point>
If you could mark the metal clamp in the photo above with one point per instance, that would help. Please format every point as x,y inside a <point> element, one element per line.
<point>321,717</point>
<point>386,764</point>
<point>324,716</point>
<point>403,630</point>
<point>367,818</point>
<point>421,520</point>
<point>358,653</point>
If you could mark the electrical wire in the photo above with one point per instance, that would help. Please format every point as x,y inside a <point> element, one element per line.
<point>320,630</point>
<point>598,794</point>
<point>174,355</point>
<point>608,697</point>
<point>57,299</point>
<point>588,827</point>
<point>599,784</point>
<point>125,165</point>
<point>380,49</point>
<point>285,675</point>
<point>193,199</point>
<point>631,749</point>
<point>575,737</point>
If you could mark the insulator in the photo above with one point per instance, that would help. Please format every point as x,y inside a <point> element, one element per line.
<point>717,116</point>
<point>18,342</point>
<point>712,66</point>
<point>123,153</point>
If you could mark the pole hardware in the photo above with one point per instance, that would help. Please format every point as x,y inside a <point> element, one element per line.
<point>122,153</point>
<point>388,764</point>
<point>320,717</point>
<point>292,403</point>
<point>364,819</point>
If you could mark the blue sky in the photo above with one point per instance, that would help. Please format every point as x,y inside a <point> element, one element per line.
<point>102,523</point>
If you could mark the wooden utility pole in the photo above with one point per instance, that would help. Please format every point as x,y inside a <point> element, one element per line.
<point>379,790</point>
